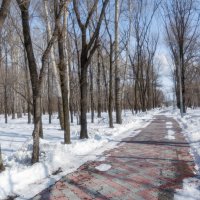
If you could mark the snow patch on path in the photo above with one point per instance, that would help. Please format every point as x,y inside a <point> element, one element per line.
<point>168,125</point>
<point>103,167</point>
<point>170,135</point>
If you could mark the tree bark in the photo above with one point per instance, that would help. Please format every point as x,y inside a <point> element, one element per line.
<point>4,11</point>
<point>29,107</point>
<point>117,75</point>
<point>37,80</point>
<point>110,103</point>
<point>91,95</point>
<point>64,79</point>
<point>83,90</point>
<point>24,6</point>
<point>54,67</point>
<point>5,87</point>
<point>88,49</point>
<point>49,93</point>
<point>60,113</point>
<point>98,87</point>
<point>2,168</point>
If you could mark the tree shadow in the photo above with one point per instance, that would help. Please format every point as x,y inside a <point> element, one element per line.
<point>154,142</point>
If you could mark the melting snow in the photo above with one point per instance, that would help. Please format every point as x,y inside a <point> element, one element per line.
<point>168,125</point>
<point>190,191</point>
<point>103,167</point>
<point>170,135</point>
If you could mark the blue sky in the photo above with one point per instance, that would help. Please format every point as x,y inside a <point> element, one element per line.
<point>163,56</point>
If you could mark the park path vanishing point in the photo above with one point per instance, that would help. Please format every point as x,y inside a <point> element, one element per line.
<point>148,166</point>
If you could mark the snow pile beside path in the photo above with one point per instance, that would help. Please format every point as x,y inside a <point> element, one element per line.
<point>56,159</point>
<point>190,125</point>
<point>190,191</point>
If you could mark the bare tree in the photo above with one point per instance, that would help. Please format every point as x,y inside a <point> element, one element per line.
<point>37,79</point>
<point>98,85</point>
<point>54,66</point>
<point>88,49</point>
<point>111,62</point>
<point>3,14</point>
<point>143,57</point>
<point>63,70</point>
<point>181,23</point>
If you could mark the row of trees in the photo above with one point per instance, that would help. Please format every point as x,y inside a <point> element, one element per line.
<point>182,20</point>
<point>3,15</point>
<point>75,57</point>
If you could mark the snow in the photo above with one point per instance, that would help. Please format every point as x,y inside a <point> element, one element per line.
<point>168,125</point>
<point>190,191</point>
<point>56,159</point>
<point>103,167</point>
<point>190,124</point>
<point>170,135</point>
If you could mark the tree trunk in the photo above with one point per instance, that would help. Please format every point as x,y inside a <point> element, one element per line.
<point>13,90</point>
<point>83,90</point>
<point>88,49</point>
<point>2,168</point>
<point>60,113</point>
<point>64,75</point>
<point>117,75</point>
<point>28,87</point>
<point>106,88</point>
<point>91,95</point>
<point>183,84</point>
<point>36,131</point>
<point>71,103</point>
<point>71,113</point>
<point>49,93</point>
<point>99,87</point>
<point>36,80</point>
<point>4,11</point>
<point>5,87</point>
<point>65,101</point>
<point>54,67</point>
<point>41,128</point>
<point>110,103</point>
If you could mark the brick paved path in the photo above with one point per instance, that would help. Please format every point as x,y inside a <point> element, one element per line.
<point>148,166</point>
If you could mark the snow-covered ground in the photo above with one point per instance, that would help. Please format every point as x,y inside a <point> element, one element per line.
<point>190,124</point>
<point>56,159</point>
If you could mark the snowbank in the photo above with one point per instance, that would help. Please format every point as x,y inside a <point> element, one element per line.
<point>190,125</point>
<point>56,159</point>
<point>190,191</point>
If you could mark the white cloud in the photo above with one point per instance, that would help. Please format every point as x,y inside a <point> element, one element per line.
<point>164,62</point>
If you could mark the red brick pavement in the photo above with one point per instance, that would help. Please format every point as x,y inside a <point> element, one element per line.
<point>147,166</point>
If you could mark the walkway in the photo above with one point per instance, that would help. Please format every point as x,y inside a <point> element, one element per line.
<point>146,167</point>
